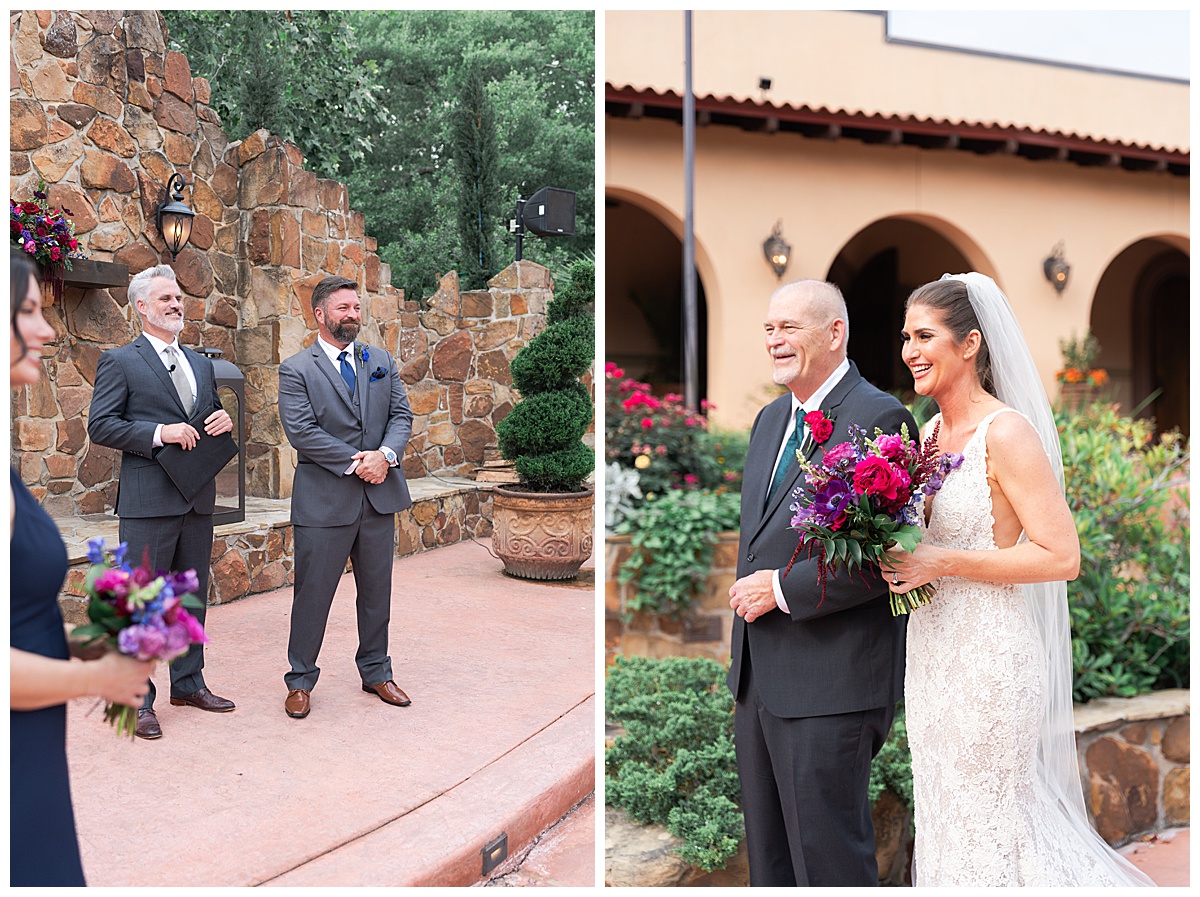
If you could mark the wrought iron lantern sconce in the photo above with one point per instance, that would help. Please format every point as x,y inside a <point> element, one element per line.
<point>778,252</point>
<point>1056,268</point>
<point>174,219</point>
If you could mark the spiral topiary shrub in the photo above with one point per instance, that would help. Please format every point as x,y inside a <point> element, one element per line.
<point>543,434</point>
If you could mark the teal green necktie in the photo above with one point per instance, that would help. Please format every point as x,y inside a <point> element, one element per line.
<point>789,456</point>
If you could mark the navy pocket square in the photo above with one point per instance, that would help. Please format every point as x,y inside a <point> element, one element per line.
<point>378,374</point>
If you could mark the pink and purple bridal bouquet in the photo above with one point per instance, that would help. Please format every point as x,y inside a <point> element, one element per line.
<point>863,498</point>
<point>139,613</point>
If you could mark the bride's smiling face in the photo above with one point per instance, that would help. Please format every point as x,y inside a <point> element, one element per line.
<point>937,361</point>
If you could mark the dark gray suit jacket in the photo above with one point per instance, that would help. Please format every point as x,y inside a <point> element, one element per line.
<point>133,393</point>
<point>847,655</point>
<point>327,426</point>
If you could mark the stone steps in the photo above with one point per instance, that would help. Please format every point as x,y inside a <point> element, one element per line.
<point>255,555</point>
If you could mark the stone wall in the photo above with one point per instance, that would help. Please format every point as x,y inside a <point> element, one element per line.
<point>1135,756</point>
<point>703,631</point>
<point>105,114</point>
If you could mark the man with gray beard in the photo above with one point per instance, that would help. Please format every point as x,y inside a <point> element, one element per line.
<point>148,394</point>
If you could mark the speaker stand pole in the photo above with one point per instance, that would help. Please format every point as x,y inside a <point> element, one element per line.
<point>520,224</point>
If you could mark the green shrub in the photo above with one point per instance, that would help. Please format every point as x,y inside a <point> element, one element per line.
<point>673,539</point>
<point>1130,614</point>
<point>542,435</point>
<point>675,763</point>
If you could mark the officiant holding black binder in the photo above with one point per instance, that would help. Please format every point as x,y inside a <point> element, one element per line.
<point>157,402</point>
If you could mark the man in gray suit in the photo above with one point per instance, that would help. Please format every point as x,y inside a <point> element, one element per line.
<point>147,394</point>
<point>344,409</point>
<point>815,681</point>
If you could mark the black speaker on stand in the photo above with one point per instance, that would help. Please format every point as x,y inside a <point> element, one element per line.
<point>550,212</point>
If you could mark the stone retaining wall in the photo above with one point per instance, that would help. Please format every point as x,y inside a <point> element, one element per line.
<point>703,631</point>
<point>256,555</point>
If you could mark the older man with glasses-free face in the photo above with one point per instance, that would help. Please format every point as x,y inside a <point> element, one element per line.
<point>148,394</point>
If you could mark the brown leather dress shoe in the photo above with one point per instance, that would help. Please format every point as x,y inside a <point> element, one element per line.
<point>147,724</point>
<point>389,693</point>
<point>205,700</point>
<point>296,703</point>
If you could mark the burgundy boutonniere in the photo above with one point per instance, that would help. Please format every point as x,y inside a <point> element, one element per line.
<point>820,428</point>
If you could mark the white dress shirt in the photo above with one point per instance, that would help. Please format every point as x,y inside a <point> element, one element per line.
<point>160,349</point>
<point>332,352</point>
<point>813,404</point>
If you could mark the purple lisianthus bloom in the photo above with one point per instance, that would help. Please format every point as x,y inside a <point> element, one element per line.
<point>183,583</point>
<point>142,641</point>
<point>176,641</point>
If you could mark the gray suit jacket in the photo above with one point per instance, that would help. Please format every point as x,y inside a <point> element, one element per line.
<point>327,426</point>
<point>133,393</point>
<point>848,655</point>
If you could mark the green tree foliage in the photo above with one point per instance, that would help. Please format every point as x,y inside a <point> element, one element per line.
<point>298,73</point>
<point>537,68</point>
<point>473,144</point>
<point>543,432</point>
<point>372,97</point>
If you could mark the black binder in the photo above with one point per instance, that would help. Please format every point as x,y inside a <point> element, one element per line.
<point>193,469</point>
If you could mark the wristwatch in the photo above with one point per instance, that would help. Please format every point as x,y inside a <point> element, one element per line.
<point>389,454</point>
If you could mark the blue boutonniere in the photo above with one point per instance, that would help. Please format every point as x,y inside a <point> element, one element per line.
<point>361,353</point>
<point>378,374</point>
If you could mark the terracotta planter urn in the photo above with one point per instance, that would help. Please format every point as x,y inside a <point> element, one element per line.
<point>542,535</point>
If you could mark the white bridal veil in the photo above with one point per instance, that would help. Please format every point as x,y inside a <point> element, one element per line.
<point>1018,385</point>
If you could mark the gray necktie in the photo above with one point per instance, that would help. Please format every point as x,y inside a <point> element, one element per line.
<point>179,378</point>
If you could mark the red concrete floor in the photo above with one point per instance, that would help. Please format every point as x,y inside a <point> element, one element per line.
<point>565,857</point>
<point>500,738</point>
<point>1165,858</point>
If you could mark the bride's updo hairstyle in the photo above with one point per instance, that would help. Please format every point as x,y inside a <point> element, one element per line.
<point>949,298</point>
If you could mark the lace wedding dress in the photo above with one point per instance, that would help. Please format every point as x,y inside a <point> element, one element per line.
<point>974,695</point>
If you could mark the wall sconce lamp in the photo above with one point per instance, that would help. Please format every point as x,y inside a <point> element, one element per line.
<point>777,252</point>
<point>1056,268</point>
<point>174,219</point>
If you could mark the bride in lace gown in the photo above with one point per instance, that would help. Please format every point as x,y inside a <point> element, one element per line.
<point>987,690</point>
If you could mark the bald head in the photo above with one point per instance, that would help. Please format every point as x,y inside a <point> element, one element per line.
<point>806,331</point>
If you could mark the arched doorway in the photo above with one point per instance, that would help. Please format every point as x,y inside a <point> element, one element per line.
<point>876,270</point>
<point>1141,316</point>
<point>643,295</point>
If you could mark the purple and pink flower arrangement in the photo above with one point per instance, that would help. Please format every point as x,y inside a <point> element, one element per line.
<point>139,613</point>
<point>863,498</point>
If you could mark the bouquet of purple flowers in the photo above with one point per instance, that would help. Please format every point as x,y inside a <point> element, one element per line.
<point>139,613</point>
<point>864,498</point>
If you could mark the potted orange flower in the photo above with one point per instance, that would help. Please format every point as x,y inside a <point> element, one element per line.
<point>1079,381</point>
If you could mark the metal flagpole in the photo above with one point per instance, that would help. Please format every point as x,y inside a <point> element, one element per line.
<point>691,376</point>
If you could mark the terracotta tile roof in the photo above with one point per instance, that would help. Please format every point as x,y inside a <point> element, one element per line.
<point>910,130</point>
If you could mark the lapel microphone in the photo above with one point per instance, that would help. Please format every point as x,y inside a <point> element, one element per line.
<point>171,369</point>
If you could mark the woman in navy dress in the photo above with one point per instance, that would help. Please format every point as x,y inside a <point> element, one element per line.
<point>44,850</point>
